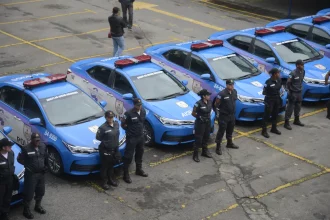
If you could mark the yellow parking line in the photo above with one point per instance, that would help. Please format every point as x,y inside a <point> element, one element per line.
<point>293,183</point>
<point>221,211</point>
<point>242,12</point>
<point>36,46</point>
<point>48,17</point>
<point>17,3</point>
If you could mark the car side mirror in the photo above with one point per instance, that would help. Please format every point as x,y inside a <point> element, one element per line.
<point>255,64</point>
<point>128,96</point>
<point>206,76</point>
<point>7,130</point>
<point>270,60</point>
<point>35,121</point>
<point>103,103</point>
<point>184,82</point>
<point>327,46</point>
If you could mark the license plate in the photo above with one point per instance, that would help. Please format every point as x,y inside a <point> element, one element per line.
<point>15,192</point>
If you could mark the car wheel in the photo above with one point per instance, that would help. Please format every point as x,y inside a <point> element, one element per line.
<point>148,134</point>
<point>55,164</point>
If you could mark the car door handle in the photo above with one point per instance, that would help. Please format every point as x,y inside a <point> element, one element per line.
<point>108,93</point>
<point>17,118</point>
<point>85,80</point>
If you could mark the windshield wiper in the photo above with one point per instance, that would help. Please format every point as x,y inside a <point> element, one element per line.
<point>153,99</point>
<point>244,77</point>
<point>172,95</point>
<point>86,119</point>
<point>63,124</point>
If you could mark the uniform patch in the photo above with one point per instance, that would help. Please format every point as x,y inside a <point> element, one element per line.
<point>226,97</point>
<point>119,105</point>
<point>93,128</point>
<point>320,66</point>
<point>2,163</point>
<point>182,104</point>
<point>256,83</point>
<point>29,153</point>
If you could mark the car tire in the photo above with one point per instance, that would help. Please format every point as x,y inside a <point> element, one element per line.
<point>148,134</point>
<point>55,165</point>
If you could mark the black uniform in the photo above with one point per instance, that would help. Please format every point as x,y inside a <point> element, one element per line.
<point>7,170</point>
<point>202,124</point>
<point>35,163</point>
<point>272,100</point>
<point>134,136</point>
<point>109,148</point>
<point>294,93</point>
<point>226,111</point>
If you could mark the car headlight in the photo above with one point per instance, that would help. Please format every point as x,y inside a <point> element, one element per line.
<point>168,121</point>
<point>243,98</point>
<point>21,174</point>
<point>314,81</point>
<point>79,149</point>
<point>122,141</point>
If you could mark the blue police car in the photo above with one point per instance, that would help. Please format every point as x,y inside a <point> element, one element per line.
<point>19,168</point>
<point>66,118</point>
<point>315,29</point>
<point>118,80</point>
<point>207,65</point>
<point>273,47</point>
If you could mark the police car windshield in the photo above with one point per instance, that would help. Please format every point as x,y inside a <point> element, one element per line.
<point>71,108</point>
<point>1,136</point>
<point>293,50</point>
<point>158,86</point>
<point>233,66</point>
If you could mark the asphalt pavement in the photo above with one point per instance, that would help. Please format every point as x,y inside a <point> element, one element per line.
<point>282,178</point>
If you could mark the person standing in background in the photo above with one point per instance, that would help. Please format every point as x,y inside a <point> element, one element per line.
<point>117,25</point>
<point>127,5</point>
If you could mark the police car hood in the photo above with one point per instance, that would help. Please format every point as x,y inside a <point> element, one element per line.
<point>178,108</point>
<point>18,167</point>
<point>317,69</point>
<point>83,134</point>
<point>252,87</point>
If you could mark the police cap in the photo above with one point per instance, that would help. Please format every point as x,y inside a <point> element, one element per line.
<point>274,71</point>
<point>299,62</point>
<point>229,82</point>
<point>109,114</point>
<point>137,101</point>
<point>4,142</point>
<point>203,92</point>
<point>35,136</point>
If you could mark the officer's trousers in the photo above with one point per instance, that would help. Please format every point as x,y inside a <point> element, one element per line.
<point>34,185</point>
<point>129,8</point>
<point>6,191</point>
<point>272,106</point>
<point>294,104</point>
<point>134,144</point>
<point>108,160</point>
<point>226,124</point>
<point>202,133</point>
<point>328,109</point>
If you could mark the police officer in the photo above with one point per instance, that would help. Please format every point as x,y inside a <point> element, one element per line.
<point>272,101</point>
<point>34,158</point>
<point>225,104</point>
<point>202,113</point>
<point>108,134</point>
<point>294,86</point>
<point>328,104</point>
<point>133,123</point>
<point>7,170</point>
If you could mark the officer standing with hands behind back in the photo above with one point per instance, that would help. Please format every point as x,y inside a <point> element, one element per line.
<point>133,124</point>
<point>225,103</point>
<point>202,113</point>
<point>7,170</point>
<point>34,158</point>
<point>108,134</point>
<point>272,101</point>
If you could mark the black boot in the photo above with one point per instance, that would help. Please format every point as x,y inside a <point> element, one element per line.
<point>126,176</point>
<point>206,153</point>
<point>287,125</point>
<point>4,216</point>
<point>264,132</point>
<point>230,144</point>
<point>195,156</point>
<point>274,130</point>
<point>218,149</point>
<point>105,185</point>
<point>139,171</point>
<point>38,208</point>
<point>27,212</point>
<point>111,180</point>
<point>298,122</point>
